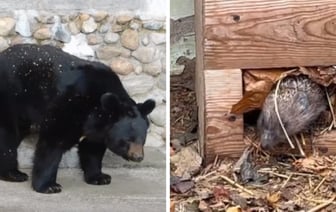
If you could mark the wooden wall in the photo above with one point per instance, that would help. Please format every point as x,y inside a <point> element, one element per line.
<point>236,34</point>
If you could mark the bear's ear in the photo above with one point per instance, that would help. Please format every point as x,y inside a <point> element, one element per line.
<point>147,107</point>
<point>109,102</point>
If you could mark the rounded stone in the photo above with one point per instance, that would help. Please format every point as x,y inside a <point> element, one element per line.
<point>158,130</point>
<point>158,38</point>
<point>89,26</point>
<point>154,140</point>
<point>130,39</point>
<point>134,25</point>
<point>153,25</point>
<point>158,115</point>
<point>138,83</point>
<point>104,28</point>
<point>7,26</point>
<point>145,40</point>
<point>138,69</point>
<point>94,39</point>
<point>107,52</point>
<point>146,54</point>
<point>124,19</point>
<point>122,66</point>
<point>161,81</point>
<point>117,28</point>
<point>73,28</point>
<point>153,69</point>
<point>19,39</point>
<point>42,33</point>
<point>111,37</point>
<point>99,16</point>
<point>45,19</point>
<point>84,17</point>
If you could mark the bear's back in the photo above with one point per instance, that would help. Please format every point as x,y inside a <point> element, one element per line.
<point>35,76</point>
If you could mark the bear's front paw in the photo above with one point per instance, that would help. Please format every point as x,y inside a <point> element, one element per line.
<point>99,179</point>
<point>14,176</point>
<point>49,188</point>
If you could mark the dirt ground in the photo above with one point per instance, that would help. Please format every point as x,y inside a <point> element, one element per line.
<point>258,181</point>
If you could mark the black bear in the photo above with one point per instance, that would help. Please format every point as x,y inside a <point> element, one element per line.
<point>73,101</point>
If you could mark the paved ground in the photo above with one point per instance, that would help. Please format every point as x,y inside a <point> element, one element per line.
<point>131,190</point>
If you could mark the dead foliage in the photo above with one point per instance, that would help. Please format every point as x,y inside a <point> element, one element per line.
<point>258,84</point>
<point>259,181</point>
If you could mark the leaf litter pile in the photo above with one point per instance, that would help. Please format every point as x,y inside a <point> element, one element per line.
<point>283,180</point>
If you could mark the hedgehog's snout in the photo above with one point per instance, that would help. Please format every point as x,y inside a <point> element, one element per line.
<point>268,139</point>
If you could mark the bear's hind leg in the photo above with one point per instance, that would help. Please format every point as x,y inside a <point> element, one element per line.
<point>91,156</point>
<point>8,157</point>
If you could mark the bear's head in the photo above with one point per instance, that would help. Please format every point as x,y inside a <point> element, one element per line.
<point>121,124</point>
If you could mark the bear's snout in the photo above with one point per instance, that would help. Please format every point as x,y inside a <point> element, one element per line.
<point>135,152</point>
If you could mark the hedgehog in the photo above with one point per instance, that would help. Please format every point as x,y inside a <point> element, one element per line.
<point>300,102</point>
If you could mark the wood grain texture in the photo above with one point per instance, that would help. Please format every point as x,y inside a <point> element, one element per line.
<point>223,131</point>
<point>264,33</point>
<point>199,79</point>
<point>326,143</point>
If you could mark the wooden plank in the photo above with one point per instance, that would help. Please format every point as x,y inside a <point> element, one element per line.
<point>199,79</point>
<point>264,33</point>
<point>223,131</point>
<point>326,143</point>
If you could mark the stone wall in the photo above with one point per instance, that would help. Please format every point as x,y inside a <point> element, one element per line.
<point>131,43</point>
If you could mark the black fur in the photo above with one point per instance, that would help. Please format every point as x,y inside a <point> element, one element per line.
<point>68,98</point>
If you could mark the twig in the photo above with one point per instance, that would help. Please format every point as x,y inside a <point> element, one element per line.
<point>285,183</point>
<point>302,174</point>
<point>215,161</point>
<point>205,176</point>
<point>299,146</point>
<point>310,182</point>
<point>319,185</point>
<point>274,173</point>
<point>256,146</point>
<point>315,201</point>
<point>323,205</point>
<point>303,139</point>
<point>278,115</point>
<point>236,184</point>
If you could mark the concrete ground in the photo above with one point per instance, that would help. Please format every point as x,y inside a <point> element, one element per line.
<point>134,187</point>
<point>138,189</point>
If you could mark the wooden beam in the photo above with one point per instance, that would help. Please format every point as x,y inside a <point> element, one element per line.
<point>266,34</point>
<point>223,132</point>
<point>199,79</point>
<point>326,143</point>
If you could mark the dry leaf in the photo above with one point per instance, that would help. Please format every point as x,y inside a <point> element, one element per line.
<point>310,164</point>
<point>321,75</point>
<point>252,77</point>
<point>172,206</point>
<point>258,84</point>
<point>221,193</point>
<point>250,101</point>
<point>203,206</point>
<point>273,198</point>
<point>234,209</point>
